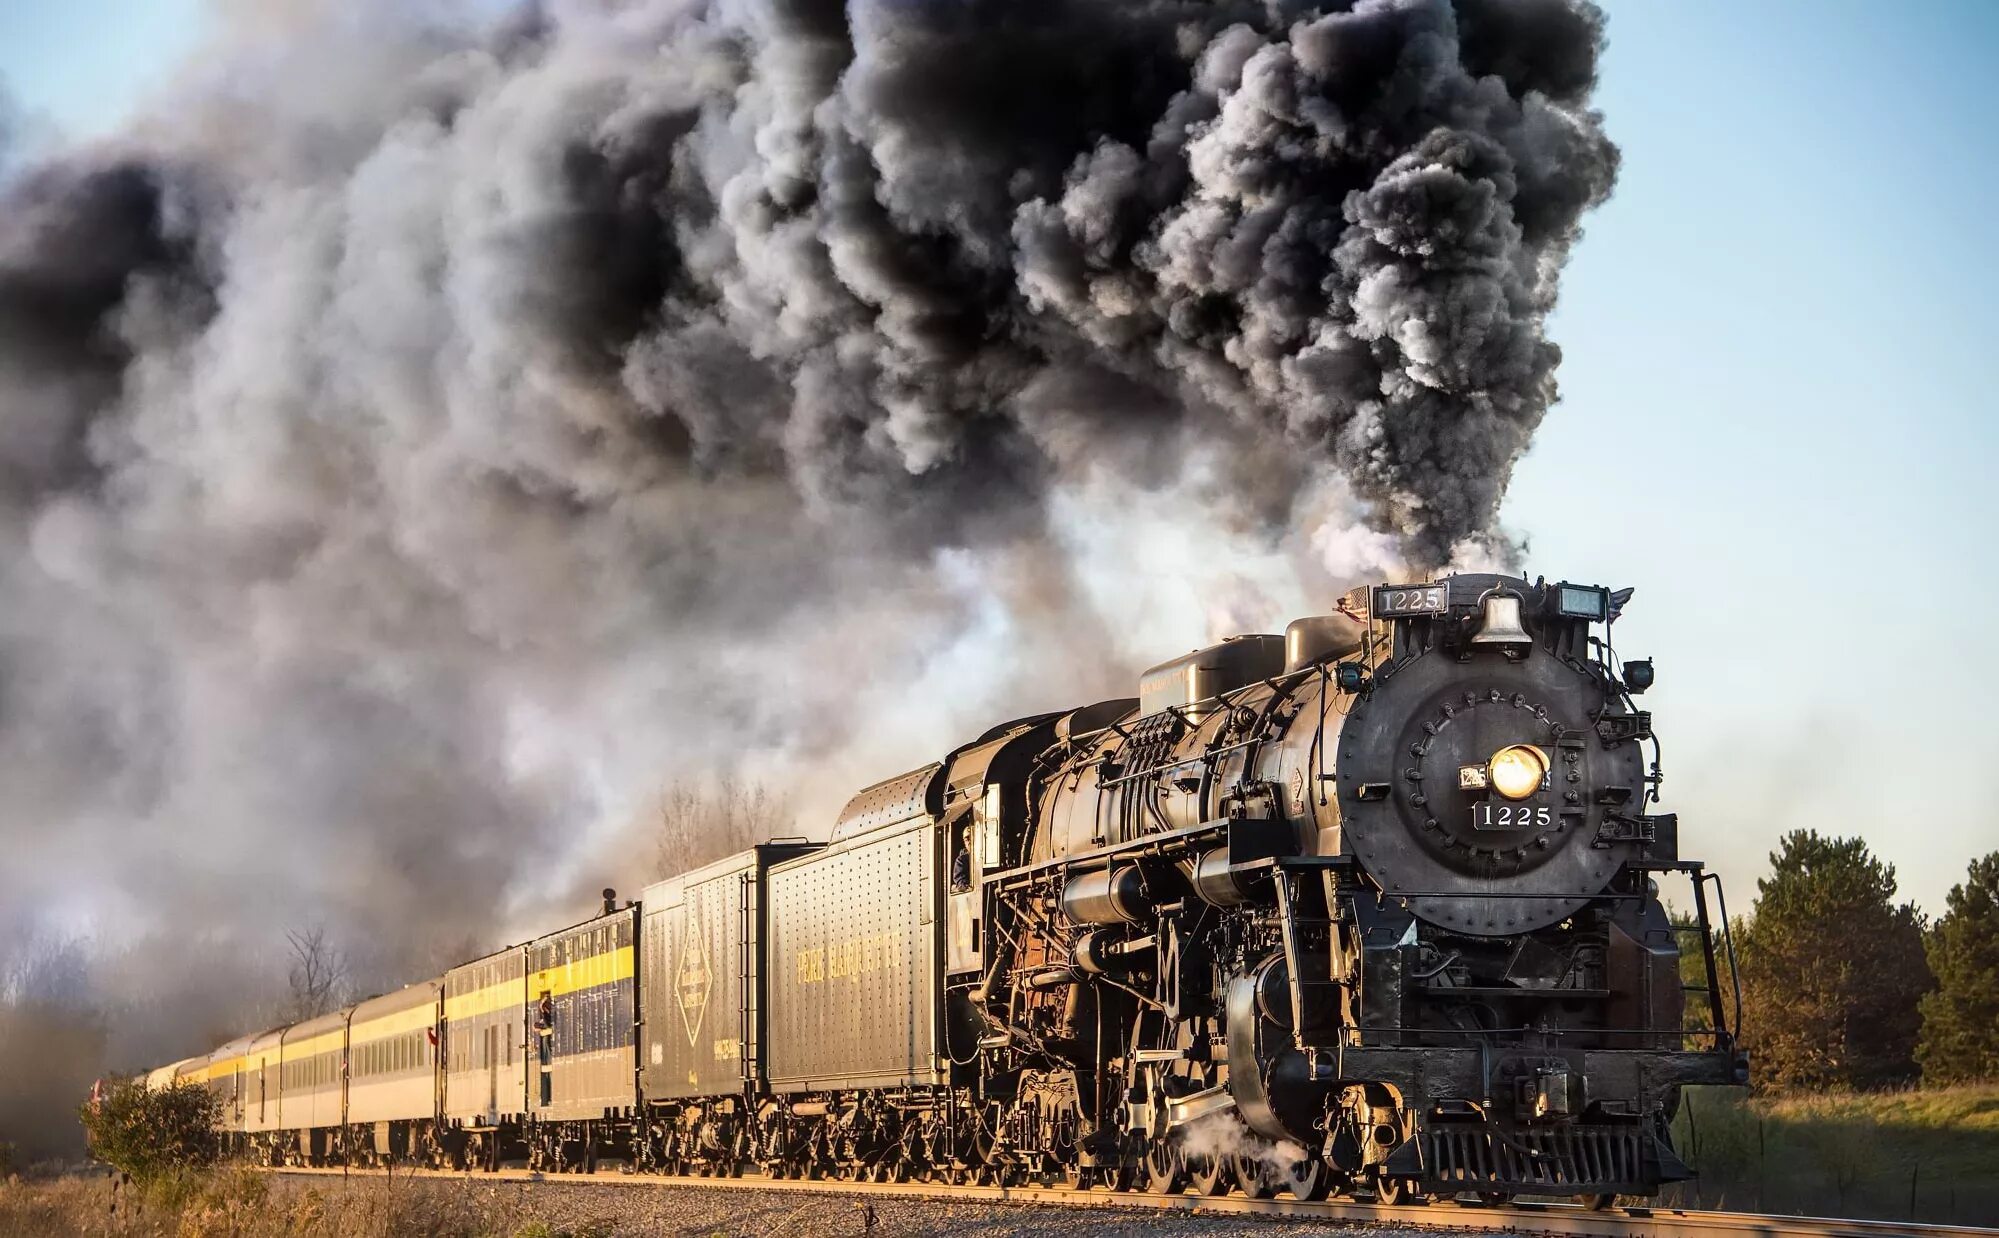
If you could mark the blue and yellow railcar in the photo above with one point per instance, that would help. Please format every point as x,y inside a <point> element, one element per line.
<point>582,994</point>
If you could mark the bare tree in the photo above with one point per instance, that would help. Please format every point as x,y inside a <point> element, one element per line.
<point>700,822</point>
<point>318,973</point>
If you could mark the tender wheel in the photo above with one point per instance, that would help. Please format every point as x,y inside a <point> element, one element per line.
<point>1165,1168</point>
<point>1079,1177</point>
<point>1598,1203</point>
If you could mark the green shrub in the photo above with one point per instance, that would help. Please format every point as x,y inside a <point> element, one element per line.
<point>153,1134</point>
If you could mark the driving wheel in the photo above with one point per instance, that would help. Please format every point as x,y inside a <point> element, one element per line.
<point>1165,1168</point>
<point>1209,1174</point>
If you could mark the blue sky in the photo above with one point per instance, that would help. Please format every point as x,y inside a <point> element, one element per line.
<point>1777,422</point>
<point>1777,419</point>
<point>84,63</point>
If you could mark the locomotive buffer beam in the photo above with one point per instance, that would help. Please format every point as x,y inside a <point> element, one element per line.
<point>1466,1073</point>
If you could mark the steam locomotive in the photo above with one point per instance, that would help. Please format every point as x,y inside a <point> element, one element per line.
<point>1371,906</point>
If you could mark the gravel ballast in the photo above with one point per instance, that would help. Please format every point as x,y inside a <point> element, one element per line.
<point>602,1210</point>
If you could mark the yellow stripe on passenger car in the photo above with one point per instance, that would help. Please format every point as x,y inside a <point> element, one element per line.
<point>369,1030</point>
<point>606,968</point>
<point>323,1043</point>
<point>215,1070</point>
<point>609,967</point>
<point>515,992</point>
<point>501,996</point>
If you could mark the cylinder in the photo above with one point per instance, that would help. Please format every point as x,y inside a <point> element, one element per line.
<point>1102,952</point>
<point>1113,896</point>
<point>1090,954</point>
<point>1218,887</point>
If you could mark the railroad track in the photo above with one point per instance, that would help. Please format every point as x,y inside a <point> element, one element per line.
<point>1519,1218</point>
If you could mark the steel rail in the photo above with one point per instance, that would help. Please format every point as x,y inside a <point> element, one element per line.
<point>1517,1218</point>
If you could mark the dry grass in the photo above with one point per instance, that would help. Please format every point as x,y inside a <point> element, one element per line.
<point>241,1203</point>
<point>1923,1154</point>
<point>1967,1109</point>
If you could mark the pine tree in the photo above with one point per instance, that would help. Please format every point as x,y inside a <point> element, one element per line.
<point>1832,969</point>
<point>1960,1039</point>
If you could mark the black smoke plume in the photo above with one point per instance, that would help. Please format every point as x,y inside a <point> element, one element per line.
<point>426,438</point>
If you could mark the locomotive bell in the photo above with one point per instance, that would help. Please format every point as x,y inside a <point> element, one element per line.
<point>1501,625</point>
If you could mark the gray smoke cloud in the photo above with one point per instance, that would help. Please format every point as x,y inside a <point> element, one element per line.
<point>426,436</point>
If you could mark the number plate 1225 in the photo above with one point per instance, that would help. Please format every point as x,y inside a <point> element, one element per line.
<point>1488,816</point>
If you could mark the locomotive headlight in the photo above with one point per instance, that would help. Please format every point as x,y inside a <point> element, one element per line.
<point>1517,770</point>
